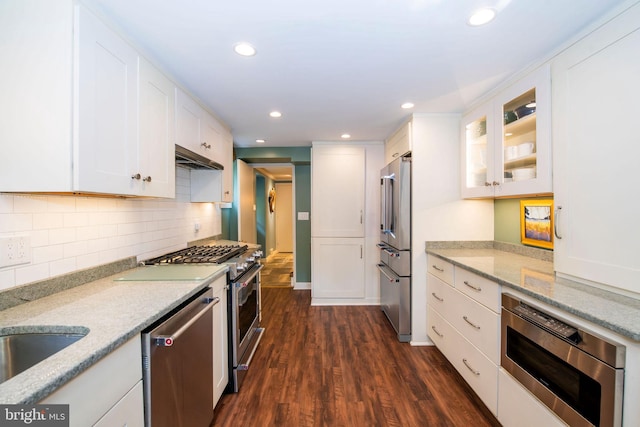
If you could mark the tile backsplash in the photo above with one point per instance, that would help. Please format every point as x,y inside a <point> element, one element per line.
<point>69,233</point>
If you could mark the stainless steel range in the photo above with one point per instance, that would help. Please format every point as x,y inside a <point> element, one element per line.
<point>243,305</point>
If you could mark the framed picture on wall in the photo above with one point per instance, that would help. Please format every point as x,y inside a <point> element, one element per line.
<point>536,223</point>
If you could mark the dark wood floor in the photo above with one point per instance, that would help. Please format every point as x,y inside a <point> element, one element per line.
<point>343,366</point>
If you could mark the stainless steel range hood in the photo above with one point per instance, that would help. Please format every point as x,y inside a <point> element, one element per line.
<point>193,160</point>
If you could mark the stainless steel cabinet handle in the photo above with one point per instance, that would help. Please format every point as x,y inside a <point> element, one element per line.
<point>495,183</point>
<point>475,288</point>
<point>466,319</point>
<point>168,340</point>
<point>205,145</point>
<point>476,373</point>
<point>437,268</point>
<point>147,178</point>
<point>555,223</point>
<point>136,176</point>
<point>437,297</point>
<point>436,331</point>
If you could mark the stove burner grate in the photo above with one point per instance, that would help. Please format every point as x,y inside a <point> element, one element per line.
<point>215,254</point>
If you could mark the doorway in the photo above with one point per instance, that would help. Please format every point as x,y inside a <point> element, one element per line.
<point>284,217</point>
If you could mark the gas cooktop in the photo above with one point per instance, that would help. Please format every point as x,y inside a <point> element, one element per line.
<point>215,254</point>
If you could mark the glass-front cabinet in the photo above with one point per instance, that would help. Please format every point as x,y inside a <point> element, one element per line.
<point>506,145</point>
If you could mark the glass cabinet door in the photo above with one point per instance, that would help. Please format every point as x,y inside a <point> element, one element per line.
<point>519,141</point>
<point>478,153</point>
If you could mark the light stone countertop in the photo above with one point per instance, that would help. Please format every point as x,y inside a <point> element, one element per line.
<point>536,278</point>
<point>112,311</point>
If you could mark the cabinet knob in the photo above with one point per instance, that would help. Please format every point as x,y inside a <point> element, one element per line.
<point>495,183</point>
<point>147,179</point>
<point>205,145</point>
<point>487,184</point>
<point>136,176</point>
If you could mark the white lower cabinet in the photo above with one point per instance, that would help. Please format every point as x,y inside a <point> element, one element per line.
<point>110,390</point>
<point>464,330</point>
<point>220,343</point>
<point>518,408</point>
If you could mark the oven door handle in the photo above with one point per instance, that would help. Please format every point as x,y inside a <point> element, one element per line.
<point>246,282</point>
<point>169,340</point>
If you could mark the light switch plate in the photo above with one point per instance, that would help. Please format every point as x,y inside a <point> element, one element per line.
<point>303,216</point>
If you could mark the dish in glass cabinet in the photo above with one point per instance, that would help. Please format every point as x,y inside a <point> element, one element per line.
<point>524,111</point>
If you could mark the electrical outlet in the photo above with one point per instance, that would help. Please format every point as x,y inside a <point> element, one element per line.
<point>15,250</point>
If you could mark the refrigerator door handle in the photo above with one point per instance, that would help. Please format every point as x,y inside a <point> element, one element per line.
<point>387,204</point>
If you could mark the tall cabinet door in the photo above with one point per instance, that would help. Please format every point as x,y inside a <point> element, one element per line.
<point>596,155</point>
<point>157,132</point>
<point>338,188</point>
<point>106,153</point>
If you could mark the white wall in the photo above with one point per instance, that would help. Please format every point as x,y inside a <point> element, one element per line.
<point>70,233</point>
<point>437,211</point>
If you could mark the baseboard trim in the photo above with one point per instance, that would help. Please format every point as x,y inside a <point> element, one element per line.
<point>302,286</point>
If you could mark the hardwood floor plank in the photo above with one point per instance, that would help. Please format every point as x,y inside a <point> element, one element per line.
<point>343,366</point>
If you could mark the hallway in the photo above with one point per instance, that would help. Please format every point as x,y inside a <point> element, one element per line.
<point>278,271</point>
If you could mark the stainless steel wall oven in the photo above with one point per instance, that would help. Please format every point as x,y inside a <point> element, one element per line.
<point>577,374</point>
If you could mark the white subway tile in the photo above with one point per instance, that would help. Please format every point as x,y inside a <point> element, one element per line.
<point>74,249</point>
<point>44,221</point>
<point>6,204</point>
<point>75,219</point>
<point>7,279</point>
<point>32,273</point>
<point>62,235</point>
<point>16,222</point>
<point>63,266</point>
<point>23,203</point>
<point>61,204</point>
<point>46,254</point>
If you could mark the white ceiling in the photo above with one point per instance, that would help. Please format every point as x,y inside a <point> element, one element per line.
<point>342,66</point>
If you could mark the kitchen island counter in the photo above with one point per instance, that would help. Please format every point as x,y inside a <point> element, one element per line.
<point>535,277</point>
<point>112,310</point>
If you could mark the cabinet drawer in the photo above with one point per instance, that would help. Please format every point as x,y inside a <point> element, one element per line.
<point>480,289</point>
<point>128,412</point>
<point>437,293</point>
<point>517,407</point>
<point>478,371</point>
<point>441,333</point>
<point>476,323</point>
<point>440,268</point>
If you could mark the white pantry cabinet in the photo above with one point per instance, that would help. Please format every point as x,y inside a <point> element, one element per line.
<point>596,149</point>
<point>506,141</point>
<point>337,190</point>
<point>220,342</point>
<point>71,107</point>
<point>108,393</point>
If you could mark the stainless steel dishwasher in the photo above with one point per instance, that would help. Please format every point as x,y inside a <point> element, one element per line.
<point>177,357</point>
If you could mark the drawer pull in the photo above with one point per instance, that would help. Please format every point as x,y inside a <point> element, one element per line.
<point>466,319</point>
<point>437,297</point>
<point>476,373</point>
<point>475,288</point>
<point>436,331</point>
<point>441,270</point>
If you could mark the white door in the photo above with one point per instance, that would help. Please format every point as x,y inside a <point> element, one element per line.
<point>337,268</point>
<point>284,217</point>
<point>247,231</point>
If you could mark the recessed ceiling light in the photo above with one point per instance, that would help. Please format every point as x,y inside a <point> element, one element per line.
<point>481,17</point>
<point>244,49</point>
<point>275,114</point>
<point>345,136</point>
<point>260,141</point>
<point>407,105</point>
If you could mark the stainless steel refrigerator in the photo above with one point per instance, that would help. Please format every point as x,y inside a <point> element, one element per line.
<point>395,245</point>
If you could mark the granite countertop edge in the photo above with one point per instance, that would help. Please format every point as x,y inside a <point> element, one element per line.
<point>103,307</point>
<point>605,318</point>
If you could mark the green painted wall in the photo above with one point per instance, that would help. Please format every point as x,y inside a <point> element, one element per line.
<point>506,217</point>
<point>303,228</point>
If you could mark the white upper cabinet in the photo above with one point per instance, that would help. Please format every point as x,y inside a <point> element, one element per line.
<point>506,142</point>
<point>107,149</point>
<point>196,129</point>
<point>596,148</point>
<point>157,132</point>
<point>77,104</point>
<point>338,188</point>
<point>398,144</point>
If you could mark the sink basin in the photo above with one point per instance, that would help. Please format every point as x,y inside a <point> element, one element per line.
<point>20,351</point>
